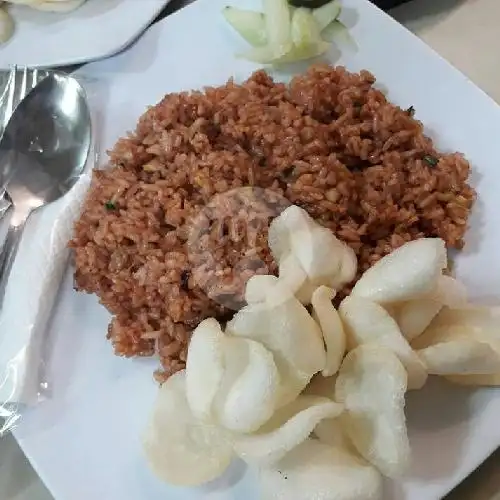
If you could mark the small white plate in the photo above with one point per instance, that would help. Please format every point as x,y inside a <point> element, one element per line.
<point>99,28</point>
<point>85,439</point>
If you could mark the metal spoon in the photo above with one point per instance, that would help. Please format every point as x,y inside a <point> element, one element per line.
<point>43,151</point>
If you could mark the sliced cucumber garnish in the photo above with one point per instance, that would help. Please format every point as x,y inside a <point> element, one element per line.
<point>283,34</point>
<point>303,53</point>
<point>305,29</point>
<point>278,24</point>
<point>249,24</point>
<point>338,32</point>
<point>262,55</point>
<point>327,13</point>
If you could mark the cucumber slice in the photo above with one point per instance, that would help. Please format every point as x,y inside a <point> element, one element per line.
<point>338,32</point>
<point>303,53</point>
<point>278,24</point>
<point>264,55</point>
<point>249,24</point>
<point>284,34</point>
<point>305,29</point>
<point>327,13</point>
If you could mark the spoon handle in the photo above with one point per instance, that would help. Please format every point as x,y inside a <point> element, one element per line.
<point>9,250</point>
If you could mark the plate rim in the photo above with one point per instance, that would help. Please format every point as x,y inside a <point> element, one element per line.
<point>103,54</point>
<point>195,4</point>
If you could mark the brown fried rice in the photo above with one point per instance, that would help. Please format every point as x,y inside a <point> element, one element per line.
<point>171,231</point>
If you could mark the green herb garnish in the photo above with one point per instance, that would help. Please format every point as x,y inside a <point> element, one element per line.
<point>432,161</point>
<point>410,111</point>
<point>110,205</point>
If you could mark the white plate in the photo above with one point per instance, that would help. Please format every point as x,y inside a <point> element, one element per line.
<point>85,440</point>
<point>100,28</point>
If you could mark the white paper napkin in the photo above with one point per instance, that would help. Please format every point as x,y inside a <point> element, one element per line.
<point>30,295</point>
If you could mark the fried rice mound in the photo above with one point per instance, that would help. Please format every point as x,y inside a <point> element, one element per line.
<point>176,224</point>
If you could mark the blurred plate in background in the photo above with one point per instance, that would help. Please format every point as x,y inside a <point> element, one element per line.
<point>98,29</point>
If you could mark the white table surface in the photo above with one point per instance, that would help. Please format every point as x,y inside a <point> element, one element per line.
<point>466,33</point>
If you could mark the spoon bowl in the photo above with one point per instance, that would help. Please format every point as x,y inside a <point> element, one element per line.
<point>43,151</point>
<point>46,143</point>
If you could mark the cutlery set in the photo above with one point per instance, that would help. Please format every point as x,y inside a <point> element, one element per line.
<point>45,141</point>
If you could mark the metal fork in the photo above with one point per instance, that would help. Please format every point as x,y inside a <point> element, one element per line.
<point>19,83</point>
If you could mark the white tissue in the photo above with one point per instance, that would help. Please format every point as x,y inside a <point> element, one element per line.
<point>30,295</point>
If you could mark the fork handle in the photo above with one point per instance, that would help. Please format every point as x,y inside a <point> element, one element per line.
<point>10,247</point>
